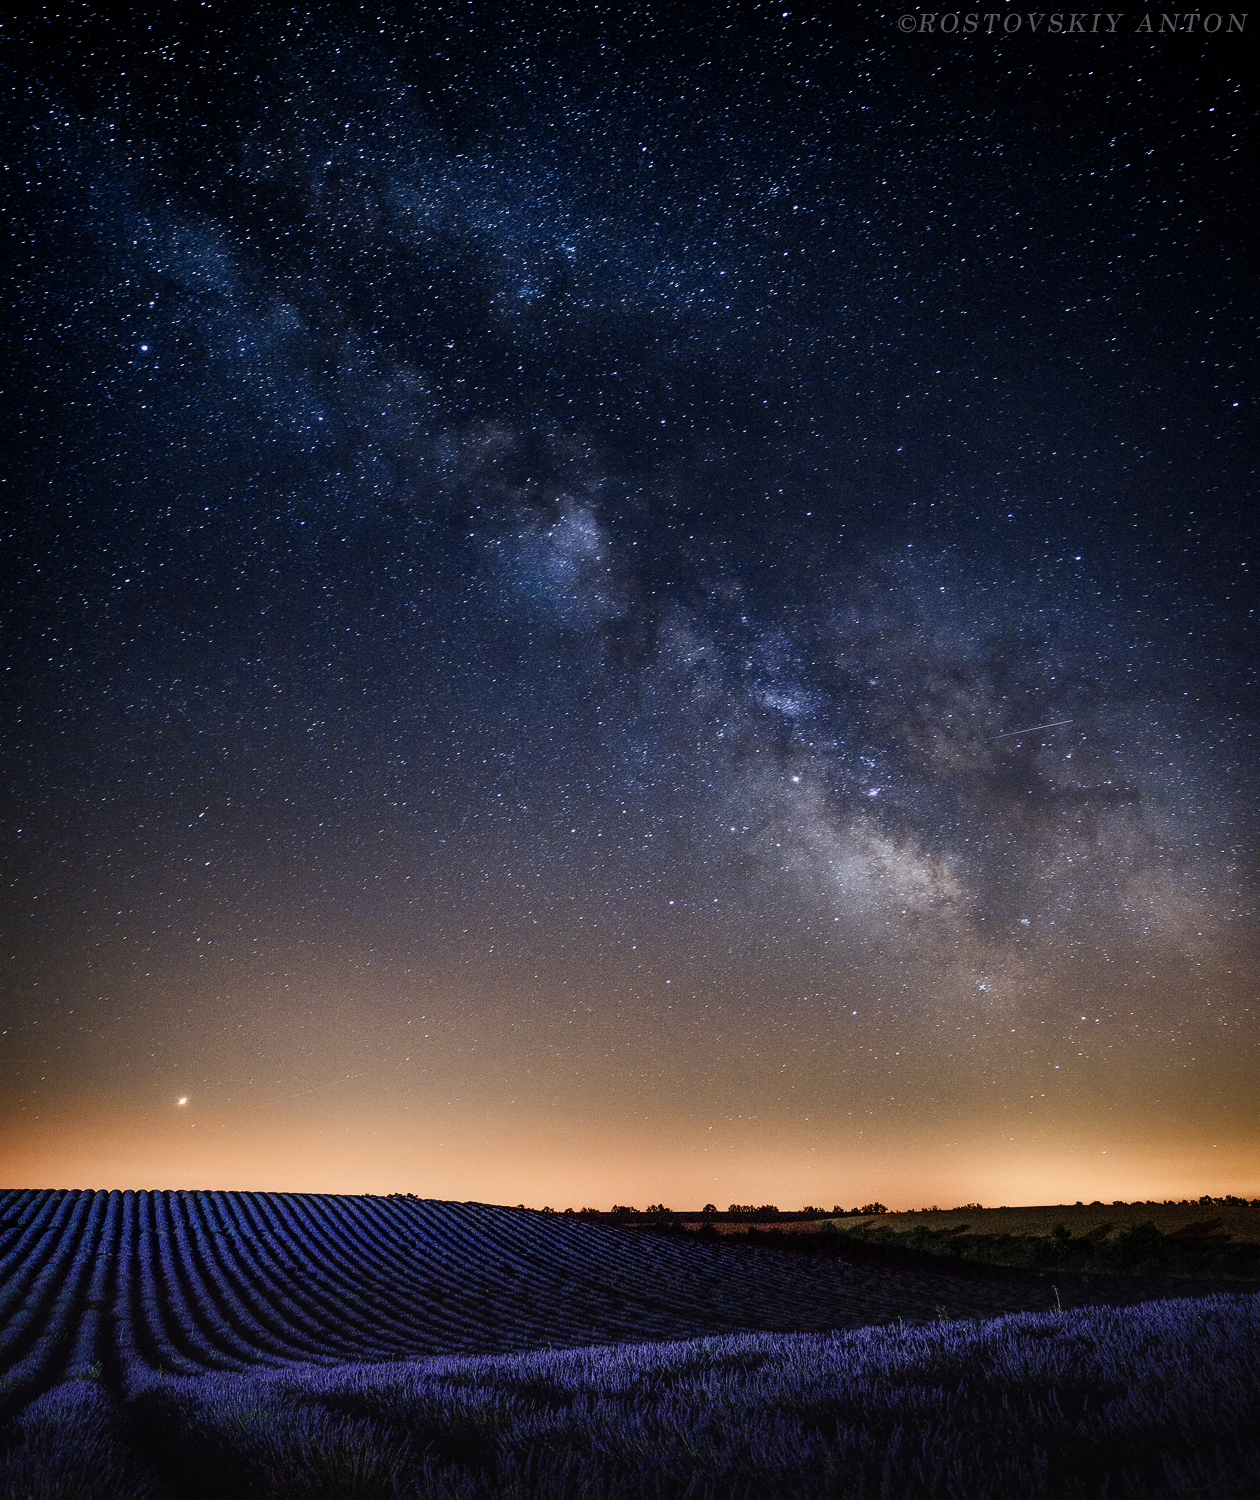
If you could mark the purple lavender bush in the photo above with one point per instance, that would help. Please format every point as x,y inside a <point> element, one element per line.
<point>182,1345</point>
<point>1158,1400</point>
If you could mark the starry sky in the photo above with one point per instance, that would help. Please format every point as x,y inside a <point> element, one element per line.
<point>609,604</point>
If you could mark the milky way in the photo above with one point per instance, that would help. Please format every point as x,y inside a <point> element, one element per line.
<point>613,610</point>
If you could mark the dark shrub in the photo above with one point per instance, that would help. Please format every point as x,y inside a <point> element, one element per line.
<point>1139,1247</point>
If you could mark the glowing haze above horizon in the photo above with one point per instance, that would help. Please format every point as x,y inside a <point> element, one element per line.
<point>609,611</point>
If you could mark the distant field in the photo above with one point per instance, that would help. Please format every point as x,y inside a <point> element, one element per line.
<point>734,1229</point>
<point>1242,1223</point>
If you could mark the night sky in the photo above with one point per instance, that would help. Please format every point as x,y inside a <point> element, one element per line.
<point>610,605</point>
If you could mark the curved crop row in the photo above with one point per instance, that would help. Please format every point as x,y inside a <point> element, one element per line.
<point>129,1283</point>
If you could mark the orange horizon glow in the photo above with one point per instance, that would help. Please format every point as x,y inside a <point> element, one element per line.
<point>464,1093</point>
<point>580,1163</point>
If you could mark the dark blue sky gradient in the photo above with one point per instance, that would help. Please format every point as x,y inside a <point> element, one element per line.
<point>530,535</point>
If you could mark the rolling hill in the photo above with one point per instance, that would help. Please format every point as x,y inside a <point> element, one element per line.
<point>196,1281</point>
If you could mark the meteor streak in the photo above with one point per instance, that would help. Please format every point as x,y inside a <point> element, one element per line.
<point>1032,728</point>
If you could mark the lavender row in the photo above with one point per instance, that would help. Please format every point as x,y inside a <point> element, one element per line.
<point>193,1282</point>
<point>1151,1402</point>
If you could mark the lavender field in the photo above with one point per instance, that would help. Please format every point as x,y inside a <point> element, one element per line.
<point>224,1344</point>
